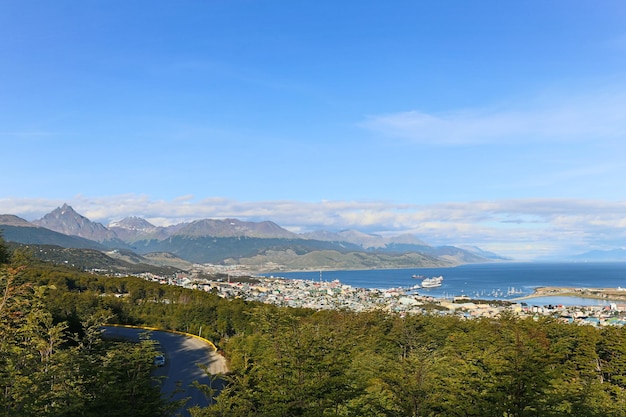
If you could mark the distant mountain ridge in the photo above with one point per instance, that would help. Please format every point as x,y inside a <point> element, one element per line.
<point>131,229</point>
<point>235,228</point>
<point>612,255</point>
<point>12,220</point>
<point>366,241</point>
<point>234,241</point>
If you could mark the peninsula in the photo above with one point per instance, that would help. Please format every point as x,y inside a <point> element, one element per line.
<point>613,294</point>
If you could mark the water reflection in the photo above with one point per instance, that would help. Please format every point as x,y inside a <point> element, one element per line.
<point>565,300</point>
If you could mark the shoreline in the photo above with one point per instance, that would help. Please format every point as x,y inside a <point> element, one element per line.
<point>609,294</point>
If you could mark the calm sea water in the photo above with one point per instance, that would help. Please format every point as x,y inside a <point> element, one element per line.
<point>490,281</point>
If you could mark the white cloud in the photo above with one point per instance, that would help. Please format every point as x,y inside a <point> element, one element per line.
<point>593,117</point>
<point>522,228</point>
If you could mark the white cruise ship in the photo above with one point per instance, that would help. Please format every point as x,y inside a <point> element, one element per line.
<point>432,282</point>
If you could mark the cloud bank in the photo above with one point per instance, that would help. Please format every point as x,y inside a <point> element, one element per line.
<point>518,228</point>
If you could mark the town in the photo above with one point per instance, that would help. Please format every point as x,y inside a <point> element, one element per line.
<point>327,295</point>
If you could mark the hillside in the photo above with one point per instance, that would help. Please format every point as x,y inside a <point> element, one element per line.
<point>96,260</point>
<point>289,260</point>
<point>41,236</point>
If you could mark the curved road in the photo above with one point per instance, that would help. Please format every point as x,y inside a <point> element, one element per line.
<point>183,355</point>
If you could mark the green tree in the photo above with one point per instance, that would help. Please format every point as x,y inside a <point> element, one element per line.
<point>411,379</point>
<point>5,254</point>
<point>291,366</point>
<point>46,371</point>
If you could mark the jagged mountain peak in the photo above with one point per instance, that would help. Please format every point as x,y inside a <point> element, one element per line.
<point>66,220</point>
<point>65,215</point>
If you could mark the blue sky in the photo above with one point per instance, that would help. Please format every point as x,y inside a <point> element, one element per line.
<point>490,123</point>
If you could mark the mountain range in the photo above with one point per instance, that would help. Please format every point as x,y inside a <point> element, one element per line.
<point>262,244</point>
<point>611,255</point>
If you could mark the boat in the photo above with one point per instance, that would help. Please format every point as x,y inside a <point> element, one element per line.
<point>432,282</point>
<point>514,291</point>
<point>418,276</point>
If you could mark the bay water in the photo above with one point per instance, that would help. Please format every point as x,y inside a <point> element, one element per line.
<point>488,281</point>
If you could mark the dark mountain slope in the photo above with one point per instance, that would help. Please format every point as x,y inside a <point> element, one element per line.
<point>235,228</point>
<point>43,236</point>
<point>329,259</point>
<point>92,259</point>
<point>216,249</point>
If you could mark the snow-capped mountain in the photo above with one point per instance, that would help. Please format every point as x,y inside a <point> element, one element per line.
<point>131,229</point>
<point>133,223</point>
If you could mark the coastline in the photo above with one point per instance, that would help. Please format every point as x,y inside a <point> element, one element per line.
<point>572,283</point>
<point>609,294</point>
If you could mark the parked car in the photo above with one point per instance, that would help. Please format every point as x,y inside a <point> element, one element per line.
<point>159,360</point>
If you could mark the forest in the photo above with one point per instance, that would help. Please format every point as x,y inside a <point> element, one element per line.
<point>290,362</point>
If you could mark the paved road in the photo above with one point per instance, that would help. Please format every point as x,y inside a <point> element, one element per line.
<point>183,354</point>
